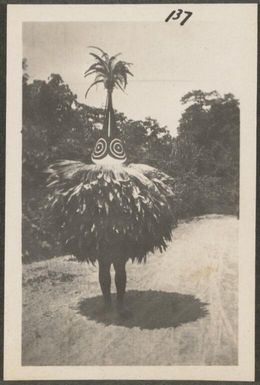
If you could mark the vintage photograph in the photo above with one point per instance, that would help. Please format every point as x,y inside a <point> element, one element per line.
<point>131,192</point>
<point>149,195</point>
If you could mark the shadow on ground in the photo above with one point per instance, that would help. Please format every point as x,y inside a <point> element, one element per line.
<point>150,310</point>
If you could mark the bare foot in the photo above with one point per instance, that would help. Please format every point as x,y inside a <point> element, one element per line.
<point>124,312</point>
<point>105,308</point>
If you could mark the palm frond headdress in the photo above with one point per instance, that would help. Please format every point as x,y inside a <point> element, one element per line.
<point>112,73</point>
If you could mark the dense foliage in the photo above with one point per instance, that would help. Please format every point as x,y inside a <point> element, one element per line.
<point>203,159</point>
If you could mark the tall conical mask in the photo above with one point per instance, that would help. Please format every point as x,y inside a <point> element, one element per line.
<point>109,148</point>
<point>112,73</point>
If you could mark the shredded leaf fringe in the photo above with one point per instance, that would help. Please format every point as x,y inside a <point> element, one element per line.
<point>110,212</point>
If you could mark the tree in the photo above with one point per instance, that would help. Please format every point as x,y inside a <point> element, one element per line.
<point>209,133</point>
<point>207,148</point>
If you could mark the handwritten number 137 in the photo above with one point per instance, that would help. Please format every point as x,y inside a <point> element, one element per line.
<point>175,15</point>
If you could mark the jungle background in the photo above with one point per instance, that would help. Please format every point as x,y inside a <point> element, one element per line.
<point>203,158</point>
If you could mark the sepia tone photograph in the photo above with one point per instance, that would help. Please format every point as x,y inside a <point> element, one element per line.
<point>131,192</point>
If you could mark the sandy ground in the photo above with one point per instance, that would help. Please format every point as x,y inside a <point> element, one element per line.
<point>184,305</point>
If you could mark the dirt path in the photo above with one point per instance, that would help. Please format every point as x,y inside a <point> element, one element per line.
<point>184,305</point>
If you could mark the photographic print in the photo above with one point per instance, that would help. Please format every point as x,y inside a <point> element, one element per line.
<point>131,192</point>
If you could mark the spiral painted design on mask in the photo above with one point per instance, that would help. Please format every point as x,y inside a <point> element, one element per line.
<point>116,149</point>
<point>100,149</point>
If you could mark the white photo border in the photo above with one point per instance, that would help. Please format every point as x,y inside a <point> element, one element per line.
<point>13,370</point>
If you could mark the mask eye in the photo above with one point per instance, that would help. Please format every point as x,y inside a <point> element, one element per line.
<point>116,149</point>
<point>100,148</point>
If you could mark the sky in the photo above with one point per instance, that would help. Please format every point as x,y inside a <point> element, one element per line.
<point>168,61</point>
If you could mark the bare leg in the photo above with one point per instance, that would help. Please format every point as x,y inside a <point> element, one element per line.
<point>105,281</point>
<point>120,281</point>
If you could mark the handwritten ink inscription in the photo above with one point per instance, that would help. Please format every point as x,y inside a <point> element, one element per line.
<point>175,15</point>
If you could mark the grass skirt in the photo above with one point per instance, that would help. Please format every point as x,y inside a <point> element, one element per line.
<point>110,211</point>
